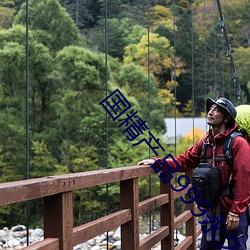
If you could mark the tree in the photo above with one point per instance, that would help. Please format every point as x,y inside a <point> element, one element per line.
<point>6,17</point>
<point>84,13</point>
<point>53,25</point>
<point>135,81</point>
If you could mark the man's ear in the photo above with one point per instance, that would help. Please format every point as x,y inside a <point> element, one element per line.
<point>228,118</point>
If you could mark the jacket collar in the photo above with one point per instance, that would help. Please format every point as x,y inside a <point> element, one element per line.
<point>221,136</point>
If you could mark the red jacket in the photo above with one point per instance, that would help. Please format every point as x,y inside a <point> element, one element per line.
<point>241,167</point>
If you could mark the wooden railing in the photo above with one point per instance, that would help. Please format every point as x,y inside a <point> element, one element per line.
<point>59,233</point>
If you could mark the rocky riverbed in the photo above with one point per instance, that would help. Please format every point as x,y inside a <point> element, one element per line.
<point>16,238</point>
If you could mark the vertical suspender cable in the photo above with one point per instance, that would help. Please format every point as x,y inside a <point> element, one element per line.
<point>192,20</point>
<point>215,51</point>
<point>230,56</point>
<point>175,95</point>
<point>174,78</point>
<point>27,112</point>
<point>106,81</point>
<point>149,177</point>
<point>205,51</point>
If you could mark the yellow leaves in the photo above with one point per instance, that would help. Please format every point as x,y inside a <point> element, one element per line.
<point>161,16</point>
<point>6,17</point>
<point>159,53</point>
<point>196,134</point>
<point>166,96</point>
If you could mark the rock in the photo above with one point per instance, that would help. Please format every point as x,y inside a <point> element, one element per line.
<point>111,233</point>
<point>3,233</point>
<point>18,228</point>
<point>111,239</point>
<point>117,244</point>
<point>100,238</point>
<point>13,243</point>
<point>38,232</point>
<point>117,235</point>
<point>95,248</point>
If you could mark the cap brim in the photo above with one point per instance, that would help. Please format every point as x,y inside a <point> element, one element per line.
<point>209,103</point>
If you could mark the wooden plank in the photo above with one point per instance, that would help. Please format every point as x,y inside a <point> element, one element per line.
<point>152,203</point>
<point>154,238</point>
<point>46,244</point>
<point>129,196</point>
<point>167,215</point>
<point>179,194</point>
<point>90,230</point>
<point>198,231</point>
<point>185,244</point>
<point>58,219</point>
<point>24,190</point>
<point>191,223</point>
<point>182,218</point>
<point>98,177</point>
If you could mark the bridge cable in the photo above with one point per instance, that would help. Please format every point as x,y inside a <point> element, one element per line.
<point>149,177</point>
<point>205,49</point>
<point>229,54</point>
<point>215,51</point>
<point>192,73</point>
<point>27,204</point>
<point>106,82</point>
<point>175,95</point>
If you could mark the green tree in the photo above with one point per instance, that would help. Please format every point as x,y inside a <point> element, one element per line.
<point>53,25</point>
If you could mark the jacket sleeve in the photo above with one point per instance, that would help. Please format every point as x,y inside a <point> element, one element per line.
<point>187,161</point>
<point>241,175</point>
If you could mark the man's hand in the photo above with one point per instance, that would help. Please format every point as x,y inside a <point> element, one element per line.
<point>232,221</point>
<point>146,162</point>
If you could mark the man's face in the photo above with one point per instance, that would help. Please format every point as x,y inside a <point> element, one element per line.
<point>215,116</point>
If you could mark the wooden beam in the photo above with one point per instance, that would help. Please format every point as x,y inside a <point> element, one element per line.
<point>24,190</point>
<point>191,223</point>
<point>58,219</point>
<point>182,218</point>
<point>167,215</point>
<point>185,244</point>
<point>179,194</point>
<point>129,197</point>
<point>98,177</point>
<point>154,238</point>
<point>104,224</point>
<point>152,203</point>
<point>19,191</point>
<point>46,244</point>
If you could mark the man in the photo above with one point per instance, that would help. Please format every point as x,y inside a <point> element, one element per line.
<point>221,115</point>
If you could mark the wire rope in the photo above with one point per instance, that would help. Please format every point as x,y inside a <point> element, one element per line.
<point>106,83</point>
<point>174,77</point>
<point>27,207</point>
<point>149,177</point>
<point>192,73</point>
<point>215,52</point>
<point>205,48</point>
<point>175,94</point>
<point>236,83</point>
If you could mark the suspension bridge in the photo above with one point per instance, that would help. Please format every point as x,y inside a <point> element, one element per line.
<point>56,192</point>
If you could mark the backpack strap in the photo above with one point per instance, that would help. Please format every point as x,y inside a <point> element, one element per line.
<point>227,148</point>
<point>203,152</point>
<point>227,151</point>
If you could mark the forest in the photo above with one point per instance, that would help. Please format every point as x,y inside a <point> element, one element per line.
<point>166,57</point>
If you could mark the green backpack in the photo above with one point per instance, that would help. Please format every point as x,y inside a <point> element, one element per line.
<point>243,120</point>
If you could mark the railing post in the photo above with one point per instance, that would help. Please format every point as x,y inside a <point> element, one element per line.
<point>129,198</point>
<point>167,214</point>
<point>191,223</point>
<point>58,219</point>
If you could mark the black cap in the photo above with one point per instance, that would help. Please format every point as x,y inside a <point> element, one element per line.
<point>223,103</point>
